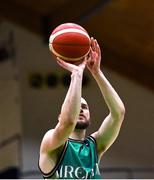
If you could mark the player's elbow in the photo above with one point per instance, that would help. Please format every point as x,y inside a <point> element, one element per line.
<point>119,113</point>
<point>121,109</point>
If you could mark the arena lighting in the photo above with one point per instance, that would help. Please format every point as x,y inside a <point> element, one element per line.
<point>36,80</point>
<point>51,80</point>
<point>66,80</point>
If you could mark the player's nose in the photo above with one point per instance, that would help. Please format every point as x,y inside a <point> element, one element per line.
<point>81,110</point>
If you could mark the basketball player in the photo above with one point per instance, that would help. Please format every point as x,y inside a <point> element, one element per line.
<point>65,152</point>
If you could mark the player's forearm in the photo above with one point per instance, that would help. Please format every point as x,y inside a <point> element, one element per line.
<point>71,106</point>
<point>111,98</point>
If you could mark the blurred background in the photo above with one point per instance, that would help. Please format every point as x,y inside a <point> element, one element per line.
<point>33,86</point>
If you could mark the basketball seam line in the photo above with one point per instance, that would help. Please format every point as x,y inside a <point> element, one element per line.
<point>67,31</point>
<point>69,44</point>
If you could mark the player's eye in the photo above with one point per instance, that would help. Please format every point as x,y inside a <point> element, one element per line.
<point>84,106</point>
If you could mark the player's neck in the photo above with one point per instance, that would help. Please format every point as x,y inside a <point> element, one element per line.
<point>78,134</point>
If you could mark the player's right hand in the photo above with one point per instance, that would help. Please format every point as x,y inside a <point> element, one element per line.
<point>72,67</point>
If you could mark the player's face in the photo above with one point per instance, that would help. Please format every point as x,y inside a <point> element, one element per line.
<point>84,116</point>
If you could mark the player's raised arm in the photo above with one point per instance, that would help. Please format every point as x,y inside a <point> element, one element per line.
<point>69,111</point>
<point>110,127</point>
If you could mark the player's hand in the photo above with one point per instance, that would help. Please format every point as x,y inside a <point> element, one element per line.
<point>71,67</point>
<point>94,57</point>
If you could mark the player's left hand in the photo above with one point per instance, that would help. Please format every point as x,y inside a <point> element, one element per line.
<point>94,57</point>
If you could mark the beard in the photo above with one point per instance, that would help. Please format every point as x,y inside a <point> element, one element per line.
<point>82,125</point>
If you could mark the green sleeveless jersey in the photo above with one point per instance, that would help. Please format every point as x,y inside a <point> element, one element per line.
<point>78,160</point>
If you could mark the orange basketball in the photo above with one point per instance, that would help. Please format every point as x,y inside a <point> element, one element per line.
<point>70,42</point>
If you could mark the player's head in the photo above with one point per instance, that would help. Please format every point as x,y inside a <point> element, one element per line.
<point>84,116</point>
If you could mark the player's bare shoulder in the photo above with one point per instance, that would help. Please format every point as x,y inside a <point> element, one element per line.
<point>48,157</point>
<point>46,141</point>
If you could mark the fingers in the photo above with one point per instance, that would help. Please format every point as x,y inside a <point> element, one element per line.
<point>95,46</point>
<point>64,64</point>
<point>60,62</point>
<point>71,67</point>
<point>92,44</point>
